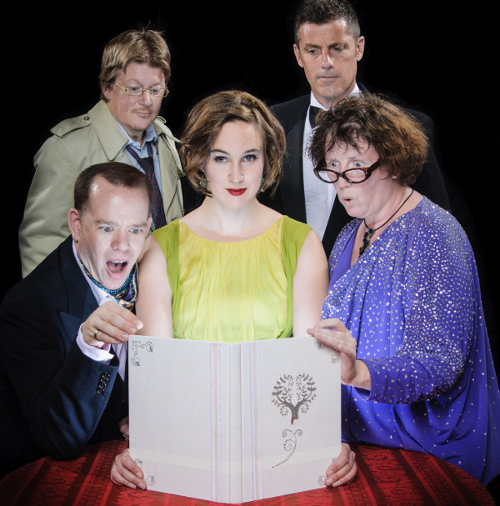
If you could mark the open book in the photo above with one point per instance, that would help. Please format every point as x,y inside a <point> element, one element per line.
<point>233,422</point>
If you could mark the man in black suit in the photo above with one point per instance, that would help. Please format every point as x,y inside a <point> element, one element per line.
<point>328,47</point>
<point>64,328</point>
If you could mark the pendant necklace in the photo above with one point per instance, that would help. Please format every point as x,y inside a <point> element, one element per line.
<point>370,231</point>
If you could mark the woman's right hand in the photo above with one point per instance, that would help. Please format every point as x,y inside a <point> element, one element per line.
<point>126,472</point>
<point>334,333</point>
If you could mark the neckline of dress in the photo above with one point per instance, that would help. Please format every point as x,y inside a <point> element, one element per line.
<point>280,219</point>
<point>388,226</point>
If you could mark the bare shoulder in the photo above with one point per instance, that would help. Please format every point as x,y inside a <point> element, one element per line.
<point>313,248</point>
<point>152,251</point>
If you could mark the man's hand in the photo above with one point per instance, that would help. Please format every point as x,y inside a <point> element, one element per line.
<point>126,472</point>
<point>343,470</point>
<point>110,323</point>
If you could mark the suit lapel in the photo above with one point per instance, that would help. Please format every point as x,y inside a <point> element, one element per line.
<point>292,185</point>
<point>81,300</point>
<point>338,219</point>
<point>293,118</point>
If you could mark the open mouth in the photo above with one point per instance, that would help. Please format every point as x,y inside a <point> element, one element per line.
<point>116,267</point>
<point>236,191</point>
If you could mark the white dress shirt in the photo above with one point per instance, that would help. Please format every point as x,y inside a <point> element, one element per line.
<point>319,196</point>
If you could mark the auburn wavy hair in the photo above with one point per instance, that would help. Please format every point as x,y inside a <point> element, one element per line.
<point>398,137</point>
<point>205,122</point>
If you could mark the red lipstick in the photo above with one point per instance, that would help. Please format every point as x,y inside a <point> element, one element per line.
<point>236,191</point>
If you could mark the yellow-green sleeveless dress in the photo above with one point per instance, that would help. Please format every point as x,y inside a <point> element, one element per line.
<point>232,291</point>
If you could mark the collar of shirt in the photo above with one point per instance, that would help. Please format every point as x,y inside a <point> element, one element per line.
<point>149,135</point>
<point>100,295</point>
<point>318,196</point>
<point>315,102</point>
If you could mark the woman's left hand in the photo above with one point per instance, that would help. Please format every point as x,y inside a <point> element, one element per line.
<point>334,333</point>
<point>343,470</point>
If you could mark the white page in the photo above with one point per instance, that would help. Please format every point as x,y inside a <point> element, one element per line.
<point>204,422</point>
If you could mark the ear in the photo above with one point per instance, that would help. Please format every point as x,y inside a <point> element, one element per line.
<point>150,220</point>
<point>360,48</point>
<point>106,91</point>
<point>296,51</point>
<point>75,224</point>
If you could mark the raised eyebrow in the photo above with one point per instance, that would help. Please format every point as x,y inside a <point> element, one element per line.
<point>341,44</point>
<point>101,223</point>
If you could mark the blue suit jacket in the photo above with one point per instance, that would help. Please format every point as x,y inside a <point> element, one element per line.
<point>289,198</point>
<point>53,399</point>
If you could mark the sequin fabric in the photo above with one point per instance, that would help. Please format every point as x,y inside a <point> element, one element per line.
<point>413,303</point>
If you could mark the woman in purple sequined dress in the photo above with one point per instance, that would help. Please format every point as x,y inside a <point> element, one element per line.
<point>404,304</point>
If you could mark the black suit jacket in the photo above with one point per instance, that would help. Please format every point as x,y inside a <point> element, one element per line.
<point>53,399</point>
<point>289,198</point>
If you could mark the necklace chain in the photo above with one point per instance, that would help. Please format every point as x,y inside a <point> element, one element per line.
<point>370,231</point>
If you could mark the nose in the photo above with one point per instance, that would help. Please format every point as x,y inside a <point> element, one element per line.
<point>327,61</point>
<point>120,240</point>
<point>235,174</point>
<point>342,183</point>
<point>146,98</point>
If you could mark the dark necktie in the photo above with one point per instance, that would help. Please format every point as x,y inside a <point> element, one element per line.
<point>313,112</point>
<point>147,165</point>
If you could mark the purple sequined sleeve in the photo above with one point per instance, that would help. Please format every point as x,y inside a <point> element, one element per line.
<point>412,302</point>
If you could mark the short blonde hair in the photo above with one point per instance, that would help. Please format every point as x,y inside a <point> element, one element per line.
<point>205,122</point>
<point>141,46</point>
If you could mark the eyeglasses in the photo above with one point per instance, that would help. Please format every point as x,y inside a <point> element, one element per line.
<point>137,91</point>
<point>357,175</point>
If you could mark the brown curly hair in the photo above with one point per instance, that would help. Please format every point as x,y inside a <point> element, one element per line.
<point>205,122</point>
<point>398,137</point>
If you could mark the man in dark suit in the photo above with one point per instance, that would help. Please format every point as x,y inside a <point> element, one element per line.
<point>64,328</point>
<point>328,47</point>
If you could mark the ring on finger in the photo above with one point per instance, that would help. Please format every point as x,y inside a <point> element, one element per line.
<point>95,335</point>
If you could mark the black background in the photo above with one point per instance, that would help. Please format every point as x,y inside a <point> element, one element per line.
<point>434,59</point>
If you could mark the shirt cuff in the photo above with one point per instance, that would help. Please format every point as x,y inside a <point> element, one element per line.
<point>98,353</point>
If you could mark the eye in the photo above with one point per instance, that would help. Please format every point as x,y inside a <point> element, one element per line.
<point>250,158</point>
<point>332,164</point>
<point>135,231</point>
<point>106,229</point>
<point>220,159</point>
<point>134,88</point>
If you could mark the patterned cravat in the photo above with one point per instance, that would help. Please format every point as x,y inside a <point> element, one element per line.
<point>126,295</point>
<point>147,165</point>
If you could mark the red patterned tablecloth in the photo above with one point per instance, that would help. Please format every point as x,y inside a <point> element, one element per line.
<point>385,477</point>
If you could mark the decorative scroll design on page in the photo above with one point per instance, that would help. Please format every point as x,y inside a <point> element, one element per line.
<point>290,444</point>
<point>148,346</point>
<point>294,395</point>
<point>335,353</point>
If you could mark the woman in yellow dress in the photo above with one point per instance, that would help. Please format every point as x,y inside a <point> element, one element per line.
<point>232,270</point>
